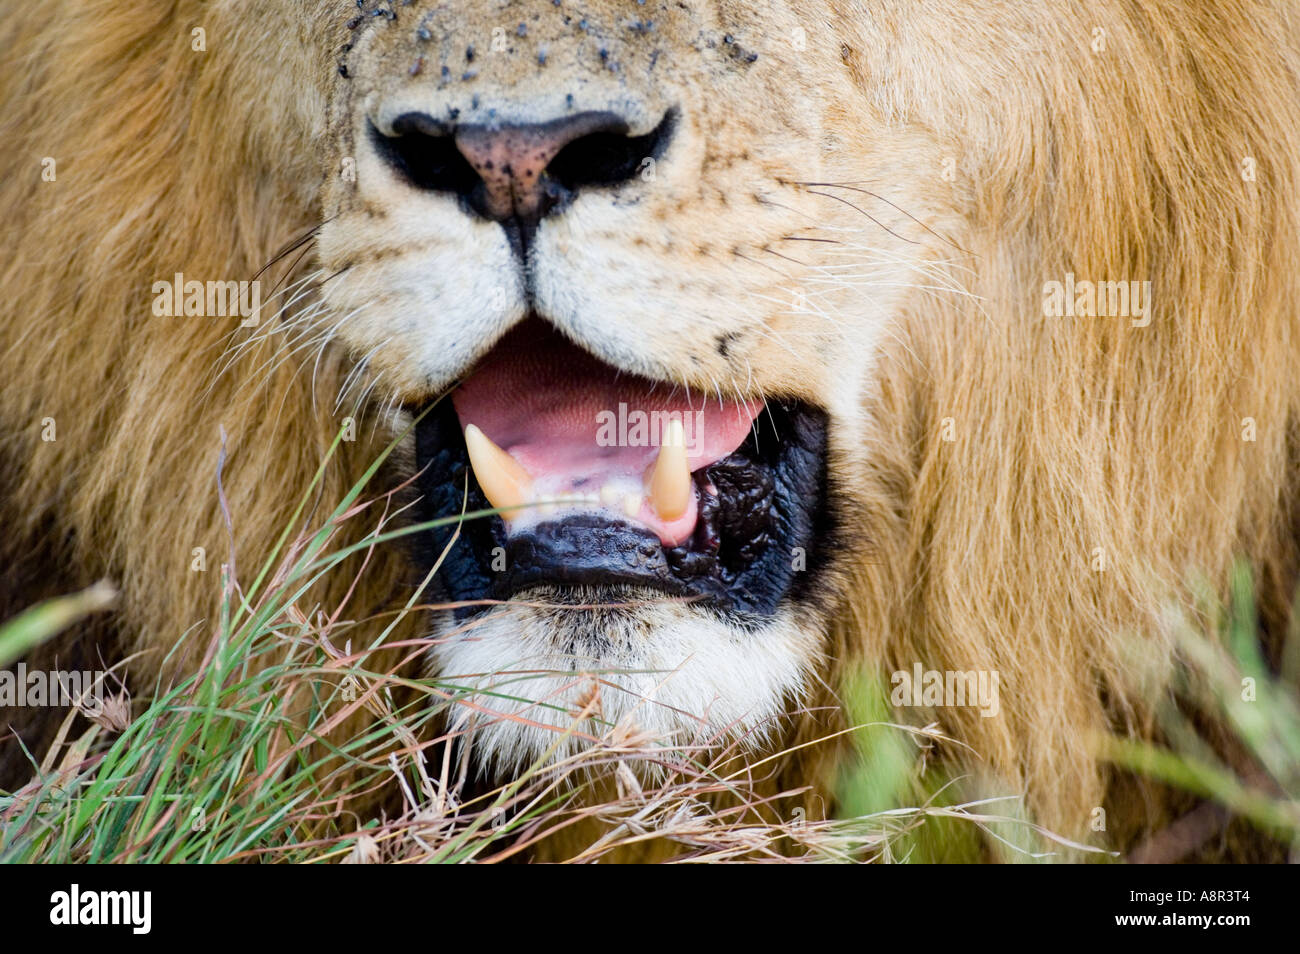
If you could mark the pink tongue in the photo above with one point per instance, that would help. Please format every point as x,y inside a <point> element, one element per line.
<point>577,425</point>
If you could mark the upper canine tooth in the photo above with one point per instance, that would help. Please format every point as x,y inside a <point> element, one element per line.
<point>505,483</point>
<point>670,483</point>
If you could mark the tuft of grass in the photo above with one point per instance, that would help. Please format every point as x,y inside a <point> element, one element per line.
<point>288,744</point>
<point>891,766</point>
<point>43,621</point>
<point>1249,761</point>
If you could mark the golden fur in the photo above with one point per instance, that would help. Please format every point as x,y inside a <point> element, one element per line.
<point>977,552</point>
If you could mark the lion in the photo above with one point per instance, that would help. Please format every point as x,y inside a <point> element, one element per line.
<point>803,338</point>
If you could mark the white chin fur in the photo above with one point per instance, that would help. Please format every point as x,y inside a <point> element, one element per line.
<point>677,674</point>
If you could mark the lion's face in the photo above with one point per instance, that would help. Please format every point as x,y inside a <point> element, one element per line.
<point>649,251</point>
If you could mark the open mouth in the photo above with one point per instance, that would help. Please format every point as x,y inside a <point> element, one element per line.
<point>607,480</point>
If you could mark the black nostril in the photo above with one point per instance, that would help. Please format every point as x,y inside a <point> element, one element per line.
<point>423,151</point>
<point>609,158</point>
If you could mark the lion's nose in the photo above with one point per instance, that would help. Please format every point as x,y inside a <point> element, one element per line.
<point>517,168</point>
<point>520,172</point>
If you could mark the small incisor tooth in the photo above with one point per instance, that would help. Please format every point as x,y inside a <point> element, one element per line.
<point>505,483</point>
<point>670,483</point>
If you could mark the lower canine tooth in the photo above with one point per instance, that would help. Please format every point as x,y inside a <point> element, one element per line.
<point>504,482</point>
<point>670,483</point>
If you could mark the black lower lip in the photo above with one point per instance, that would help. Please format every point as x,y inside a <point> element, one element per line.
<point>754,547</point>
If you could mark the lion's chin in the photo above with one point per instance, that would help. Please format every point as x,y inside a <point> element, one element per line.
<point>559,671</point>
<point>695,622</point>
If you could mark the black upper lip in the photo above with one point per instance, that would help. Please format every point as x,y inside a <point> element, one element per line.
<point>758,541</point>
